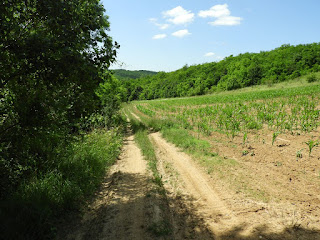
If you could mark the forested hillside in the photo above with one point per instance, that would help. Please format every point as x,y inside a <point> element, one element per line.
<point>122,74</point>
<point>280,64</point>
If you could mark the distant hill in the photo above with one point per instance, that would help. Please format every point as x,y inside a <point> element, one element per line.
<point>123,74</point>
<point>247,69</point>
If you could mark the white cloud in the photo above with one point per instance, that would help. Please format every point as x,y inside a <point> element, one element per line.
<point>222,15</point>
<point>209,54</point>
<point>159,25</point>
<point>181,33</point>
<point>153,20</point>
<point>179,15</point>
<point>163,26</point>
<point>226,21</point>
<point>159,36</point>
<point>215,11</point>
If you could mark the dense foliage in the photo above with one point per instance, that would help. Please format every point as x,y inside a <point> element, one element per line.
<point>285,62</point>
<point>53,54</point>
<point>54,57</point>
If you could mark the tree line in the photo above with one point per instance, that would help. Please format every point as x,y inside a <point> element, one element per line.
<point>266,67</point>
<point>122,74</point>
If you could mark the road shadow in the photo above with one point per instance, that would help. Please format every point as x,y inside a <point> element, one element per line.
<point>118,206</point>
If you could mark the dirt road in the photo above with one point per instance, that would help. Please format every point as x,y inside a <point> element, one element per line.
<point>126,206</point>
<point>192,184</point>
<point>190,205</point>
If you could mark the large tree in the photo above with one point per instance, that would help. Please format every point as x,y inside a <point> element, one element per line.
<point>52,57</point>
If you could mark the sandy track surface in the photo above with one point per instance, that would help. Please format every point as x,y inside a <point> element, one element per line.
<point>193,185</point>
<point>124,207</point>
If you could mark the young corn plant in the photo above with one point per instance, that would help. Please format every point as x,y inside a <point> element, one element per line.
<point>274,136</point>
<point>311,144</point>
<point>245,137</point>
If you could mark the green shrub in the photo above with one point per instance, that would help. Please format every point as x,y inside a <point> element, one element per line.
<point>312,78</point>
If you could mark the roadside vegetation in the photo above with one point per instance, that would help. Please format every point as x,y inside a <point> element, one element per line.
<point>59,127</point>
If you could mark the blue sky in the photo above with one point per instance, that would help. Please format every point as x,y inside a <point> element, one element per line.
<point>165,35</point>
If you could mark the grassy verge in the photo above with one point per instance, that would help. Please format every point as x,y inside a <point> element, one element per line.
<point>32,211</point>
<point>144,143</point>
<point>163,226</point>
<point>199,149</point>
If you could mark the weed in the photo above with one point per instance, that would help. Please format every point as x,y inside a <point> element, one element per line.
<point>245,152</point>
<point>278,164</point>
<point>299,153</point>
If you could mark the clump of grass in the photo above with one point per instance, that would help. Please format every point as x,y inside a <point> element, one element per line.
<point>181,138</point>
<point>147,149</point>
<point>144,143</point>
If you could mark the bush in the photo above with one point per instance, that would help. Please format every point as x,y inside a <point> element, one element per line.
<point>312,78</point>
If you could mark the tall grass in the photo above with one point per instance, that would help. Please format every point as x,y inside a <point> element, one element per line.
<point>32,211</point>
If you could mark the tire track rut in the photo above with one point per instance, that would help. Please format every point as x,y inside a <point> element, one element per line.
<point>122,209</point>
<point>193,186</point>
